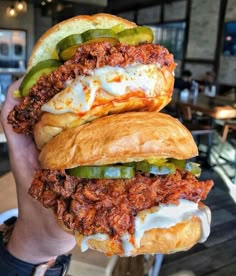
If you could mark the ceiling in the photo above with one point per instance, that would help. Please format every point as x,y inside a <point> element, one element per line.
<point>62,9</point>
<point>125,5</point>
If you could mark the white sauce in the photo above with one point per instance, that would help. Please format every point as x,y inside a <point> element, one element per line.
<point>80,94</point>
<point>97,237</point>
<point>164,216</point>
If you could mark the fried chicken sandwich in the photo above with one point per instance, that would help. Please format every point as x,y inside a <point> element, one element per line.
<point>114,170</point>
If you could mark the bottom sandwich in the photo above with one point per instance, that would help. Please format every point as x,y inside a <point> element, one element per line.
<point>123,184</point>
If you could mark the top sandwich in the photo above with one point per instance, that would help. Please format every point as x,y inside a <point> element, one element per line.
<point>88,67</point>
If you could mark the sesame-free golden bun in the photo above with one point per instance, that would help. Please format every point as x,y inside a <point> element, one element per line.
<point>180,237</point>
<point>119,138</point>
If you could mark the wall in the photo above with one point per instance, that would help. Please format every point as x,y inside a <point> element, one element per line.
<point>42,23</point>
<point>175,11</point>
<point>149,15</point>
<point>202,39</point>
<point>227,70</point>
<point>201,49</point>
<point>203,28</point>
<point>152,15</point>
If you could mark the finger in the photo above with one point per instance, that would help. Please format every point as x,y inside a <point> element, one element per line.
<point>10,101</point>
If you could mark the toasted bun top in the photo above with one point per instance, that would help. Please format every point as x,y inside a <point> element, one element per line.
<point>119,138</point>
<point>45,47</point>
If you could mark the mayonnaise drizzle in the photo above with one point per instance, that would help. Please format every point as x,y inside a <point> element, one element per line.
<point>164,216</point>
<point>97,237</point>
<point>80,93</point>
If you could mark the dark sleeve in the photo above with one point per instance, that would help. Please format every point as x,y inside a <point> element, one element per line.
<point>181,84</point>
<point>11,266</point>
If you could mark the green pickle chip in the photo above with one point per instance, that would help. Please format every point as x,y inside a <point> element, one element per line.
<point>97,172</point>
<point>41,68</point>
<point>193,168</point>
<point>157,166</point>
<point>135,36</point>
<point>162,169</point>
<point>67,47</point>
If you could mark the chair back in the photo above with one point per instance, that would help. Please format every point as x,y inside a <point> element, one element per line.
<point>184,112</point>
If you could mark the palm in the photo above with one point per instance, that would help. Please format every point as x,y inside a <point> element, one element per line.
<point>21,147</point>
<point>24,162</point>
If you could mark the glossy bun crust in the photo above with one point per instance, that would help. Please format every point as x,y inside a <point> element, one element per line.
<point>120,138</point>
<point>179,237</point>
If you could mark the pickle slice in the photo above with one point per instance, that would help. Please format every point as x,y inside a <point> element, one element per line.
<point>66,48</point>
<point>157,161</point>
<point>135,36</point>
<point>67,42</point>
<point>144,166</point>
<point>96,33</point>
<point>193,168</point>
<point>178,163</point>
<point>43,67</point>
<point>70,51</point>
<point>118,28</point>
<point>98,172</point>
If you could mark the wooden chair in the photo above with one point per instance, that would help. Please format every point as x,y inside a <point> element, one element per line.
<point>196,127</point>
<point>2,135</point>
<point>229,127</point>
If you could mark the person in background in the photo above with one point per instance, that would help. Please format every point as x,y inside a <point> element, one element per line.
<point>209,85</point>
<point>37,245</point>
<point>186,86</point>
<point>184,82</point>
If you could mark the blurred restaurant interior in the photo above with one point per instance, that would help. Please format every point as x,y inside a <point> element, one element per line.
<point>202,36</point>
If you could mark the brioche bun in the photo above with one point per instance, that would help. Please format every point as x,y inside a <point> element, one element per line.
<point>50,124</point>
<point>45,47</point>
<point>180,237</point>
<point>125,137</point>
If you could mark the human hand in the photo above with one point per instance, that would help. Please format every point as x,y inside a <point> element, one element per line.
<point>36,237</point>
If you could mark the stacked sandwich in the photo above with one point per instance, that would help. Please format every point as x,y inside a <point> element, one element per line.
<point>115,171</point>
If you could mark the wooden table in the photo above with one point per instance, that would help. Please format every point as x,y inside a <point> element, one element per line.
<point>89,263</point>
<point>215,108</point>
<point>8,198</point>
<point>2,135</point>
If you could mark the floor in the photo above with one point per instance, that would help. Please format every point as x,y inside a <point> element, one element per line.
<point>217,256</point>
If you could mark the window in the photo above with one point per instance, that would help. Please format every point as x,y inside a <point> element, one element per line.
<point>18,49</point>
<point>171,35</point>
<point>4,49</point>
<point>230,39</point>
<point>12,50</point>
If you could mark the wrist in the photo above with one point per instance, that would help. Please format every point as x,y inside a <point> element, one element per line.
<point>12,265</point>
<point>26,247</point>
<point>35,245</point>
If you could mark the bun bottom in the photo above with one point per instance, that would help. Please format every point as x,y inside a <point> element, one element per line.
<point>179,237</point>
